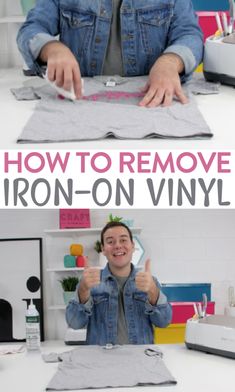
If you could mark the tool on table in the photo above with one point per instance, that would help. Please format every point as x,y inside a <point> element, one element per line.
<point>232,16</point>
<point>219,32</point>
<point>231,297</point>
<point>153,352</point>
<point>200,308</point>
<point>204,304</point>
<point>196,315</point>
<point>225,23</point>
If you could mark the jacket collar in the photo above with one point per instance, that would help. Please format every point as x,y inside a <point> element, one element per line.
<point>106,273</point>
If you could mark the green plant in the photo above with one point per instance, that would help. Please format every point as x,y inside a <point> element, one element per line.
<point>69,283</point>
<point>114,218</point>
<point>97,246</point>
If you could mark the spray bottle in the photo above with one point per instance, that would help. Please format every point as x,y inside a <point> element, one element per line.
<point>32,328</point>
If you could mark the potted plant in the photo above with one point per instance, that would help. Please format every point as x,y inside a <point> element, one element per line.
<point>69,285</point>
<point>102,258</point>
<point>114,218</point>
<point>26,5</point>
<point>127,222</point>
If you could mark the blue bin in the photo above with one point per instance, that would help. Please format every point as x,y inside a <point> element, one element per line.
<point>210,5</point>
<point>186,292</point>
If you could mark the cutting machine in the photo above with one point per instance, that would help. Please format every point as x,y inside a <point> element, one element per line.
<point>213,334</point>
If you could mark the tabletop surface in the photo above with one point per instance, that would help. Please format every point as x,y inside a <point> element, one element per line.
<point>218,111</point>
<point>193,370</point>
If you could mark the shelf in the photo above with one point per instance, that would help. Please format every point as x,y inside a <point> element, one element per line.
<point>12,19</point>
<point>63,269</point>
<point>68,232</point>
<point>57,307</point>
<point>71,232</point>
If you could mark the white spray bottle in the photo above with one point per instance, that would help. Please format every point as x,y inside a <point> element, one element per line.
<point>32,328</point>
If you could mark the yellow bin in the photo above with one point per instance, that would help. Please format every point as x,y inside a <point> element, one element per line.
<point>199,68</point>
<point>174,333</point>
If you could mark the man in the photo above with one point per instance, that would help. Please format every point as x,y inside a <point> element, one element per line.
<point>118,305</point>
<point>159,38</point>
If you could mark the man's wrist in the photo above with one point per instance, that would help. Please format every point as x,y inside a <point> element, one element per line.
<point>83,294</point>
<point>48,49</point>
<point>153,294</point>
<point>173,60</point>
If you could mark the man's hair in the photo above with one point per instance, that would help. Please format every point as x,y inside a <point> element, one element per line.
<point>109,225</point>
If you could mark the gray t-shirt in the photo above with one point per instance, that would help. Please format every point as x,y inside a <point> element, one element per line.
<point>95,367</point>
<point>61,120</point>
<point>113,58</point>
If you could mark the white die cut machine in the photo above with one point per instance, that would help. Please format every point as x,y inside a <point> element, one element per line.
<point>219,53</point>
<point>213,334</point>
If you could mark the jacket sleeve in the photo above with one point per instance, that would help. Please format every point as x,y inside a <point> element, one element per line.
<point>77,314</point>
<point>161,313</point>
<point>185,37</point>
<point>43,22</point>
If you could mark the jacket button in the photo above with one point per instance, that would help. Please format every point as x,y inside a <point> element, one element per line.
<point>102,12</point>
<point>132,62</point>
<point>97,40</point>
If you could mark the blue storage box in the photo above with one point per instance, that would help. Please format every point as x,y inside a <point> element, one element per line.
<point>188,292</point>
<point>210,5</point>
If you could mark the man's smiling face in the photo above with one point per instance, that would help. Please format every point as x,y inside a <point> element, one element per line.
<point>118,248</point>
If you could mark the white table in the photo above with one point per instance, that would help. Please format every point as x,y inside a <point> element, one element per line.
<point>194,371</point>
<point>218,111</point>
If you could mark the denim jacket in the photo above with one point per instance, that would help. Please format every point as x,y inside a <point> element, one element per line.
<point>100,313</point>
<point>148,29</point>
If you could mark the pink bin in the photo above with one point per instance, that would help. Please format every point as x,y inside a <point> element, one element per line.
<point>182,311</point>
<point>207,22</point>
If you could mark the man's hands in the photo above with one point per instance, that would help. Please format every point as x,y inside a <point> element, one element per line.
<point>164,82</point>
<point>144,282</point>
<point>62,67</point>
<point>90,278</point>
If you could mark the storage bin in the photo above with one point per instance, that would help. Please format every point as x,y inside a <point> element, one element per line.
<point>186,292</point>
<point>182,311</point>
<point>207,22</point>
<point>210,5</point>
<point>174,333</point>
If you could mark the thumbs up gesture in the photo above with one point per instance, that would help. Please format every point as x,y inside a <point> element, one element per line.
<point>145,282</point>
<point>90,278</point>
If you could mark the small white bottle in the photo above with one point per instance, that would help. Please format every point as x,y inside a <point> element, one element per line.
<point>32,328</point>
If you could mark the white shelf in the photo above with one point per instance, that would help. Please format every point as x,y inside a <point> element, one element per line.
<point>12,19</point>
<point>57,307</point>
<point>68,232</point>
<point>72,232</point>
<point>63,269</point>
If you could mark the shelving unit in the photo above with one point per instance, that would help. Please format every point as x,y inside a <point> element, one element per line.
<point>11,18</point>
<point>58,243</point>
<point>64,269</point>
